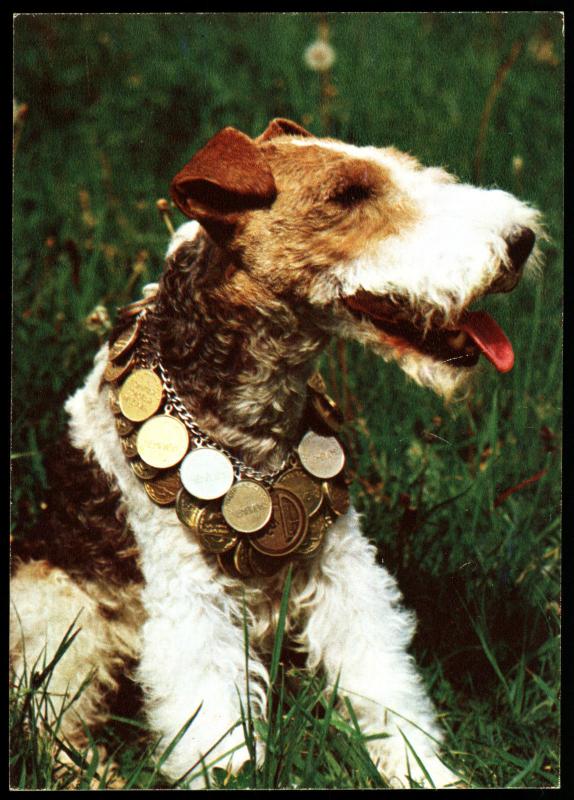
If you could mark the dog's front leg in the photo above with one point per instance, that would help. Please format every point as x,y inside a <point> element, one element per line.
<point>193,660</point>
<point>358,632</point>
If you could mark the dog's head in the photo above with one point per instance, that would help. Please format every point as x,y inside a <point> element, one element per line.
<point>375,246</point>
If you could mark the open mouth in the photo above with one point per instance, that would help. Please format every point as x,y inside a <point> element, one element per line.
<point>476,333</point>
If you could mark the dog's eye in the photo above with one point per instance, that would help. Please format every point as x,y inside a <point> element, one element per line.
<point>351,195</point>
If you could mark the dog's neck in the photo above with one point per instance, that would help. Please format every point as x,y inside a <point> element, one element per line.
<point>239,357</point>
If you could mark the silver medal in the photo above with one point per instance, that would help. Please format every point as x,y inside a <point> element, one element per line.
<point>206,473</point>
<point>322,456</point>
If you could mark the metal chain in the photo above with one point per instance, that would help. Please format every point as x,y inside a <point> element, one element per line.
<point>149,358</point>
<point>145,346</point>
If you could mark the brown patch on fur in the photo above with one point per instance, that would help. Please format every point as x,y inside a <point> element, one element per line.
<point>83,529</point>
<point>314,224</point>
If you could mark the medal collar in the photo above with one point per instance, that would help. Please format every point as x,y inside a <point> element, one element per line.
<point>252,521</point>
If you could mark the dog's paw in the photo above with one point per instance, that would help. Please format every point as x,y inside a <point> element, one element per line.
<point>415,778</point>
<point>441,777</point>
<point>193,770</point>
<point>402,771</point>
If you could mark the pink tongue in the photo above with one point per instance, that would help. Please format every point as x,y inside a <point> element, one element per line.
<point>490,338</point>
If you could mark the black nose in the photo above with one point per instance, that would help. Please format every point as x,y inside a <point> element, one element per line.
<point>519,246</point>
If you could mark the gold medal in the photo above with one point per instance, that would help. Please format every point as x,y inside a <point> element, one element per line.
<point>141,395</point>
<point>164,488</point>
<point>133,309</point>
<point>241,559</point>
<point>143,470</point>
<point>247,506</point>
<point>337,494</point>
<point>264,566</point>
<point>162,441</point>
<point>188,509</point>
<point>125,341</point>
<point>326,413</point>
<point>114,371</point>
<point>206,473</point>
<point>213,532</point>
<point>318,527</point>
<point>129,445</point>
<point>287,528</point>
<point>124,426</point>
<point>322,456</point>
<point>225,561</point>
<point>324,410</point>
<point>307,489</point>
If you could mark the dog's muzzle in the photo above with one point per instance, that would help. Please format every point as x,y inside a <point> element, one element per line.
<point>476,331</point>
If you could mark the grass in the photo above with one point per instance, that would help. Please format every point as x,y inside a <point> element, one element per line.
<point>116,104</point>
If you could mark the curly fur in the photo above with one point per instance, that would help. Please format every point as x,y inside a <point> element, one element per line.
<point>82,529</point>
<point>240,366</point>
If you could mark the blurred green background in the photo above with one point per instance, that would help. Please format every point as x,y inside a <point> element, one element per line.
<point>116,104</point>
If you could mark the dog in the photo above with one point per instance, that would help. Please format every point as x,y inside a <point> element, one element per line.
<point>293,239</point>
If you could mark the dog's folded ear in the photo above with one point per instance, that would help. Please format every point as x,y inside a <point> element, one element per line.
<point>282,127</point>
<point>227,176</point>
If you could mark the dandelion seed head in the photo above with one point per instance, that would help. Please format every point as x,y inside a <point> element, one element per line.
<point>98,320</point>
<point>319,56</point>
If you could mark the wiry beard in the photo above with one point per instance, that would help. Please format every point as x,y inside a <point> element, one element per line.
<point>241,368</point>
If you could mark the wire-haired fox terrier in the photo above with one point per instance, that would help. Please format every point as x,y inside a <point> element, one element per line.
<point>203,458</point>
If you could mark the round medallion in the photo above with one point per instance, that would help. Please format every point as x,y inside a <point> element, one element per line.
<point>129,445</point>
<point>264,566</point>
<point>247,506</point>
<point>287,528</point>
<point>213,532</point>
<point>125,341</point>
<point>318,527</point>
<point>162,441</point>
<point>164,488</point>
<point>225,561</point>
<point>307,489</point>
<point>322,456</point>
<point>123,426</point>
<point>188,509</point>
<point>143,470</point>
<point>133,309</point>
<point>141,395</point>
<point>114,371</point>
<point>206,473</point>
<point>241,559</point>
<point>337,494</point>
<point>328,414</point>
